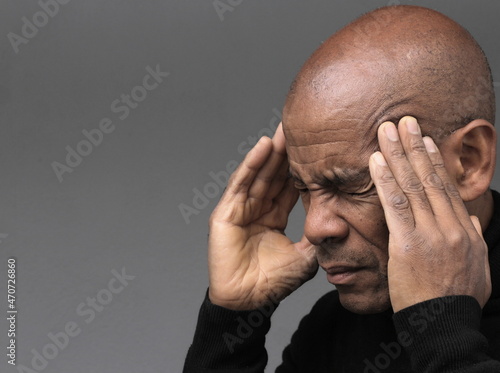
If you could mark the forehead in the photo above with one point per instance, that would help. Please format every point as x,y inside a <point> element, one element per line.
<point>331,118</point>
<point>336,140</point>
<point>332,130</point>
<point>336,153</point>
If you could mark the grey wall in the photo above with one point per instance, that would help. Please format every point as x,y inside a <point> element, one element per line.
<point>119,207</point>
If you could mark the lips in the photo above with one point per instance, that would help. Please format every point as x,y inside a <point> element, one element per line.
<point>342,275</point>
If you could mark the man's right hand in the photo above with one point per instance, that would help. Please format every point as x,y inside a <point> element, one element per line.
<point>251,261</point>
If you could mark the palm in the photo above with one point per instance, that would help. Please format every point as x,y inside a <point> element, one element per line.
<point>251,260</point>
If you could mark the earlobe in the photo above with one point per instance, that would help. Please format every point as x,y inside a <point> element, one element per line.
<point>470,158</point>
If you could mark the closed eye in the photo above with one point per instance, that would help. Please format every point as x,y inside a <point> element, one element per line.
<point>371,189</point>
<point>298,183</point>
<point>301,188</point>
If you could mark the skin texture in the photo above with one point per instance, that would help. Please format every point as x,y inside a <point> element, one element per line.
<point>379,225</point>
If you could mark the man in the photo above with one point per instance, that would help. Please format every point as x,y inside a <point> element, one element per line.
<point>388,137</point>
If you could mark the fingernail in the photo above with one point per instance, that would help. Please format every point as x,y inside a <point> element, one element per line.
<point>391,132</point>
<point>379,159</point>
<point>412,125</point>
<point>429,145</point>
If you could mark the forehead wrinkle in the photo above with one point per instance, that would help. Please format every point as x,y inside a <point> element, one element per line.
<point>392,112</point>
<point>304,135</point>
<point>308,163</point>
<point>343,173</point>
<point>301,152</point>
<point>331,119</point>
<point>321,147</point>
<point>337,176</point>
<point>361,133</point>
<point>327,152</point>
<point>352,174</point>
<point>318,144</point>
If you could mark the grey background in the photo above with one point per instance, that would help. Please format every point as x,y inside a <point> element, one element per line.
<point>120,206</point>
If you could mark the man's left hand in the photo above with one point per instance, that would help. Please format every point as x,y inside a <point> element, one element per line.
<point>435,248</point>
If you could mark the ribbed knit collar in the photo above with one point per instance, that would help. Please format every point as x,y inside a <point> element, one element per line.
<point>492,238</point>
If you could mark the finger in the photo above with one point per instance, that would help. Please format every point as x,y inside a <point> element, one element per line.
<point>403,173</point>
<point>395,204</point>
<point>273,171</point>
<point>417,154</point>
<point>477,225</point>
<point>454,198</point>
<point>245,174</point>
<point>307,249</point>
<point>287,199</point>
<point>276,216</point>
<point>279,180</point>
<point>279,137</point>
<point>305,244</point>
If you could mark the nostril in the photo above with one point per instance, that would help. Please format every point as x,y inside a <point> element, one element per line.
<point>331,241</point>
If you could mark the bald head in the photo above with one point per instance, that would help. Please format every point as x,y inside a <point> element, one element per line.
<point>410,55</point>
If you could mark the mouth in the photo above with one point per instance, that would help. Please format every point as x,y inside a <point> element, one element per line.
<point>342,275</point>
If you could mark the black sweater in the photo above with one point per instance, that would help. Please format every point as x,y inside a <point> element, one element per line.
<point>449,334</point>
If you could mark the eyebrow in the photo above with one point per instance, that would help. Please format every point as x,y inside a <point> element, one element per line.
<point>344,177</point>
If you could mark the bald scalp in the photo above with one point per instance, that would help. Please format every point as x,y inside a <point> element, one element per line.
<point>417,54</point>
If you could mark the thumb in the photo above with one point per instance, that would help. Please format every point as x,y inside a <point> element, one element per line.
<point>306,248</point>
<point>477,225</point>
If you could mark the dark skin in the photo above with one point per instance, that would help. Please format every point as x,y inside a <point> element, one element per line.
<point>430,227</point>
<point>379,212</point>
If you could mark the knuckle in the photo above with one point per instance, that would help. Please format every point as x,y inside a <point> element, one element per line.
<point>417,146</point>
<point>412,185</point>
<point>231,183</point>
<point>457,238</point>
<point>386,179</point>
<point>452,190</point>
<point>398,201</point>
<point>438,163</point>
<point>397,153</point>
<point>432,180</point>
<point>265,178</point>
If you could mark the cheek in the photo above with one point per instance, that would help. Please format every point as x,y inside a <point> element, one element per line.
<point>368,220</point>
<point>373,217</point>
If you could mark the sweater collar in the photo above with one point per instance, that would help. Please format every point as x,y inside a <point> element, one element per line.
<point>492,238</point>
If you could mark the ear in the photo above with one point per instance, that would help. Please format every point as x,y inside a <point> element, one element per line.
<point>469,155</point>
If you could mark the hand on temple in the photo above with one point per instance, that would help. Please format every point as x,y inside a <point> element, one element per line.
<point>251,261</point>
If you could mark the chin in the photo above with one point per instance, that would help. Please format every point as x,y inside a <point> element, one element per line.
<point>365,304</point>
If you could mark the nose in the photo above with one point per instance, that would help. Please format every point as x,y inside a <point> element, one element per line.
<point>324,221</point>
